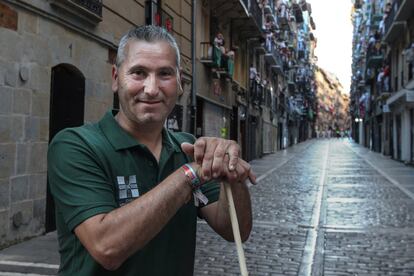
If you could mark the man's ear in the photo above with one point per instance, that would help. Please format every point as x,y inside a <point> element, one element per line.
<point>114,78</point>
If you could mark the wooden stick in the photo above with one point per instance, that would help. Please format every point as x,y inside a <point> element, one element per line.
<point>236,229</point>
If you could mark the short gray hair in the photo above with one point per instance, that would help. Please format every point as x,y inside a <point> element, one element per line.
<point>148,33</point>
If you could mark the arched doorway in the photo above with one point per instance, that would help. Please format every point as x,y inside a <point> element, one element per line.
<point>67,102</point>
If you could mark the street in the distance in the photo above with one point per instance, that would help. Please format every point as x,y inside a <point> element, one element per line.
<point>328,207</point>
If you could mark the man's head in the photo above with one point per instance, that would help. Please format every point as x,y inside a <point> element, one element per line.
<point>148,33</point>
<point>146,77</point>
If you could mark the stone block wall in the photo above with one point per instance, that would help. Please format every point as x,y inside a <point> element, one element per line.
<point>29,49</point>
<point>35,37</point>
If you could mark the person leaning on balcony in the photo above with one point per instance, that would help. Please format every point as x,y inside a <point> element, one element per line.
<point>252,75</point>
<point>386,78</point>
<point>127,190</point>
<point>219,42</point>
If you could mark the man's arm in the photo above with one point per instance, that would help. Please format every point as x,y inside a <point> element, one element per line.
<point>219,158</point>
<point>111,238</point>
<point>218,217</point>
<point>217,214</point>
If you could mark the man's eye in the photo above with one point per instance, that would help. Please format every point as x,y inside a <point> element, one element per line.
<point>165,73</point>
<point>138,73</point>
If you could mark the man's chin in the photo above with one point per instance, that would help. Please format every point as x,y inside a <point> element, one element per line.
<point>151,119</point>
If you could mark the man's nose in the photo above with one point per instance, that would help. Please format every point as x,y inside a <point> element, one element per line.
<point>151,85</point>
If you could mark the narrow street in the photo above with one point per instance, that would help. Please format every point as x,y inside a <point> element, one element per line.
<point>322,207</point>
<point>326,207</point>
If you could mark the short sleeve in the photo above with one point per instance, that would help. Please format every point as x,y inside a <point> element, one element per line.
<point>77,181</point>
<point>212,191</point>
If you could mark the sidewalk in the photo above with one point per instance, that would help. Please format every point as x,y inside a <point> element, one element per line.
<point>39,256</point>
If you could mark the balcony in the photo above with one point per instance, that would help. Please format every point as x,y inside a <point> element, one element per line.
<point>405,11</point>
<point>226,9</point>
<point>375,20</point>
<point>256,13</point>
<point>88,10</point>
<point>393,28</point>
<point>403,96</point>
<point>256,93</point>
<point>358,4</point>
<point>297,11</point>
<point>375,58</point>
<point>212,57</point>
<point>271,53</point>
<point>267,9</point>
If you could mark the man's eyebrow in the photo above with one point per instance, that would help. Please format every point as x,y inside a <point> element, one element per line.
<point>142,67</point>
<point>136,67</point>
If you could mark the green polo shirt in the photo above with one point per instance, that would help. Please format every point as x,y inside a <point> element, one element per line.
<point>99,167</point>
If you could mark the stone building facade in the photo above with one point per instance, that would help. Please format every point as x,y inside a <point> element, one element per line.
<point>382,102</point>
<point>55,71</point>
<point>333,106</point>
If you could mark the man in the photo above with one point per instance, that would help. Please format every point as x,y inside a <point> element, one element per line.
<point>125,188</point>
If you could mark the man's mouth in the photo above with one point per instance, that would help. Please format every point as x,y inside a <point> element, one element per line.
<point>148,102</point>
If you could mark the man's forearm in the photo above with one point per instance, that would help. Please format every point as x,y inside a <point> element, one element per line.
<point>222,223</point>
<point>111,238</point>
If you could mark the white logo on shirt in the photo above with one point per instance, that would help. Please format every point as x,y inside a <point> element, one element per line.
<point>127,188</point>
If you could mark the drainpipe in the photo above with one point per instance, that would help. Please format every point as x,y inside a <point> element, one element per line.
<point>193,63</point>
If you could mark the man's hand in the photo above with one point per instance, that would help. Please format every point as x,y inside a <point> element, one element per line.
<point>219,158</point>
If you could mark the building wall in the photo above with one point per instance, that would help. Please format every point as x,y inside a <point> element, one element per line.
<point>35,37</point>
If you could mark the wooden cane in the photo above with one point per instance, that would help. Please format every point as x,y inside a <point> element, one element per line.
<point>236,229</point>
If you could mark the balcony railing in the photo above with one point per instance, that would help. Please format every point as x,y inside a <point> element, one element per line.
<point>374,56</point>
<point>90,10</point>
<point>256,13</point>
<point>391,15</point>
<point>406,10</point>
<point>94,6</point>
<point>212,56</point>
<point>245,3</point>
<point>256,93</point>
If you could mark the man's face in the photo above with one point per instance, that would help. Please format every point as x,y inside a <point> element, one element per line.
<point>146,83</point>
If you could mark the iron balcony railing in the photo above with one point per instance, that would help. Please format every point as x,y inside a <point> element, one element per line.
<point>272,55</point>
<point>256,13</point>
<point>246,3</point>
<point>256,93</point>
<point>94,6</point>
<point>391,16</point>
<point>211,56</point>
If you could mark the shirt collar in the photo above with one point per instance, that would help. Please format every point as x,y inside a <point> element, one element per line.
<point>120,139</point>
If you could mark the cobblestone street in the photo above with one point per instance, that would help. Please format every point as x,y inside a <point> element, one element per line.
<point>326,207</point>
<point>322,207</point>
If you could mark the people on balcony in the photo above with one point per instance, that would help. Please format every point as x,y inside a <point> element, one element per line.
<point>269,41</point>
<point>252,72</point>
<point>386,78</point>
<point>374,44</point>
<point>228,61</point>
<point>219,42</point>
<point>282,8</point>
<point>380,79</point>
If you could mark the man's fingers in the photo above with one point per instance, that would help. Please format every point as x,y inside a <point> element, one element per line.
<point>219,163</point>
<point>233,151</point>
<point>248,172</point>
<point>206,154</point>
<point>188,149</point>
<point>199,150</point>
